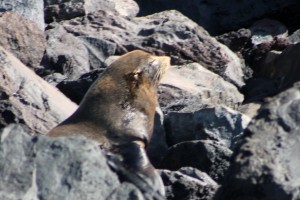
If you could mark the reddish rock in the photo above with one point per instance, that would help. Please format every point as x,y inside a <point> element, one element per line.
<point>23,38</point>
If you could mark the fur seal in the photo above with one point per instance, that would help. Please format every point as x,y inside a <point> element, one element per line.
<point>118,111</point>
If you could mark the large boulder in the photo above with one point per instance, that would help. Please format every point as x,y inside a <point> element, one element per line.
<point>217,17</point>
<point>31,9</point>
<point>217,123</point>
<point>207,156</point>
<point>265,166</point>
<point>23,38</point>
<point>61,168</point>
<point>73,56</point>
<point>68,9</point>
<point>30,99</point>
<point>167,32</point>
<point>191,85</point>
<point>283,67</point>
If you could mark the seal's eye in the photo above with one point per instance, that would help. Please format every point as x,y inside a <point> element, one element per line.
<point>136,75</point>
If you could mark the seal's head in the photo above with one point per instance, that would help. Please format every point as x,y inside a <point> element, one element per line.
<point>120,105</point>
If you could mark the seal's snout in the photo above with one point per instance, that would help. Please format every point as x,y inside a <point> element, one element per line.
<point>158,66</point>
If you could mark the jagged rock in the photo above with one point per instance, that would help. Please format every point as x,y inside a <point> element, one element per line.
<point>197,174</point>
<point>68,9</point>
<point>44,168</point>
<point>180,186</point>
<point>257,89</point>
<point>23,38</point>
<point>250,109</point>
<point>206,155</point>
<point>99,50</point>
<point>192,85</point>
<point>63,168</point>
<point>283,67</point>
<point>31,9</point>
<point>31,99</point>
<point>235,40</point>
<point>73,56</point>
<point>65,54</point>
<point>265,30</point>
<point>168,33</point>
<point>265,166</point>
<point>215,123</point>
<point>217,17</point>
<point>75,90</point>
<point>295,37</point>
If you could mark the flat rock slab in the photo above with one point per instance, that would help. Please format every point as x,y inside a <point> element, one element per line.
<point>40,105</point>
<point>192,85</point>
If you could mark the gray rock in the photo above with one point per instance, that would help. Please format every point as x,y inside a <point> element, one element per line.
<point>235,40</point>
<point>295,37</point>
<point>73,56</point>
<point>64,54</point>
<point>205,155</point>
<point>32,100</point>
<point>99,50</point>
<point>215,123</point>
<point>180,186</point>
<point>46,168</point>
<point>265,166</point>
<point>192,85</point>
<point>31,9</point>
<point>197,174</point>
<point>217,17</point>
<point>287,75</point>
<point>72,168</point>
<point>68,9</point>
<point>16,163</point>
<point>23,38</point>
<point>76,168</point>
<point>126,191</point>
<point>264,31</point>
<point>168,33</point>
<point>76,89</point>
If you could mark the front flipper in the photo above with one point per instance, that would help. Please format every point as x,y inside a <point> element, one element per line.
<point>138,169</point>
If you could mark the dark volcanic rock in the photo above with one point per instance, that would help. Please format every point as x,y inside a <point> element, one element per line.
<point>265,30</point>
<point>68,9</point>
<point>192,85</point>
<point>31,9</point>
<point>265,166</point>
<point>216,123</point>
<point>168,33</point>
<point>283,67</point>
<point>235,40</point>
<point>217,17</point>
<point>180,186</point>
<point>63,168</point>
<point>44,168</point>
<point>65,54</point>
<point>23,38</point>
<point>205,155</point>
<point>29,99</point>
<point>75,90</point>
<point>73,56</point>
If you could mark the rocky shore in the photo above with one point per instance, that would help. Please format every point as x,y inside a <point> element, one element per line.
<point>228,123</point>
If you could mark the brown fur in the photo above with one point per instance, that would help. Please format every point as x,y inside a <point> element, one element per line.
<point>118,109</point>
